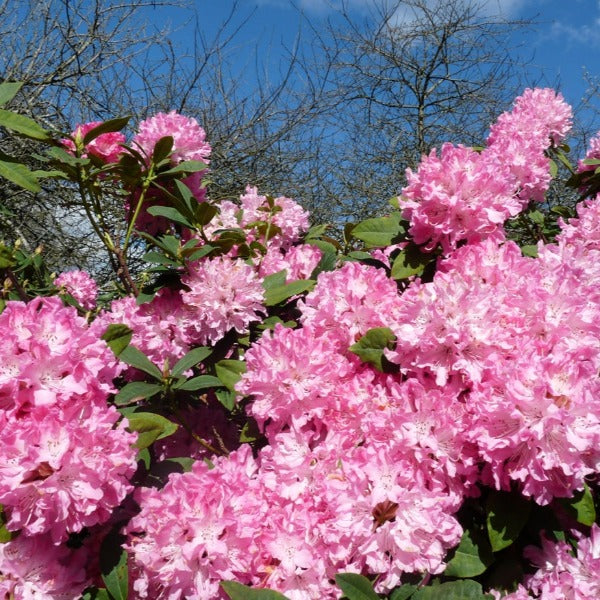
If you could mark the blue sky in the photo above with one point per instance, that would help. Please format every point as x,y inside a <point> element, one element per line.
<point>563,44</point>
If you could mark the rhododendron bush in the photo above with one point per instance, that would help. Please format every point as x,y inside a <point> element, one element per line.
<point>267,412</point>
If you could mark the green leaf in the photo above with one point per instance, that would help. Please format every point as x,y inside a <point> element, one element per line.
<point>201,382</point>
<point>472,557</point>
<point>5,534</point>
<point>581,506</point>
<point>135,391</point>
<point>188,166</point>
<point>403,592</point>
<point>162,148</point>
<point>109,126</point>
<point>8,90</point>
<point>230,372</point>
<point>380,231</point>
<point>530,250</point>
<point>158,258</point>
<point>170,213</point>
<point>134,357</point>
<point>278,294</point>
<point>507,513</point>
<point>117,337</point>
<point>23,125</point>
<point>370,347</point>
<point>191,359</point>
<point>237,591</point>
<point>466,589</point>
<point>355,586</point>
<point>410,261</point>
<point>149,427</point>
<point>96,594</point>
<point>113,566</point>
<point>250,432</point>
<point>226,398</point>
<point>20,175</point>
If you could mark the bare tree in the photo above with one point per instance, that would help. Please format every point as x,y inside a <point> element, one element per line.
<point>408,76</point>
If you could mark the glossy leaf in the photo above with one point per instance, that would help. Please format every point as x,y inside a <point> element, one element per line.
<point>113,567</point>
<point>135,358</point>
<point>109,126</point>
<point>355,586</point>
<point>149,427</point>
<point>237,591</point>
<point>581,506</point>
<point>380,231</point>
<point>472,556</point>
<point>117,336</point>
<point>191,359</point>
<point>23,125</point>
<point>507,513</point>
<point>230,372</point>
<point>202,382</point>
<point>370,347</point>
<point>162,148</point>
<point>276,295</point>
<point>466,589</point>
<point>170,213</point>
<point>19,175</point>
<point>403,592</point>
<point>135,391</point>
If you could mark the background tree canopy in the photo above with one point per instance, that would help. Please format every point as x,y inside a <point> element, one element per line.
<point>335,124</point>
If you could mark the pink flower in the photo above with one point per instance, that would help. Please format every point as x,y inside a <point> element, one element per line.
<point>106,146</point>
<point>223,294</point>
<point>459,196</point>
<point>80,285</point>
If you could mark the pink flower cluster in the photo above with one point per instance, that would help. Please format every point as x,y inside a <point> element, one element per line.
<point>65,458</point>
<point>80,285</point>
<point>563,573</point>
<point>465,196</point>
<point>106,147</point>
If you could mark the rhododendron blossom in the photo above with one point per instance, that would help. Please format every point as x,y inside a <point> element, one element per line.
<point>107,146</point>
<point>80,285</point>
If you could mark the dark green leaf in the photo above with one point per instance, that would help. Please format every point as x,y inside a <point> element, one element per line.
<point>204,212</point>
<point>581,506</point>
<point>158,258</point>
<point>188,166</point>
<point>191,359</point>
<point>250,432</point>
<point>113,567</point>
<point>201,382</point>
<point>472,557</point>
<point>410,261</point>
<point>230,372</point>
<point>454,590</point>
<point>276,295</point>
<point>380,231</point>
<point>237,591</point>
<point>8,90</point>
<point>20,175</point>
<point>134,357</point>
<point>149,427</point>
<point>226,398</point>
<point>109,126</point>
<point>23,125</point>
<point>96,594</point>
<point>507,513</point>
<point>370,347</point>
<point>170,213</point>
<point>355,586</point>
<point>162,148</point>
<point>135,391</point>
<point>403,592</point>
<point>117,337</point>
